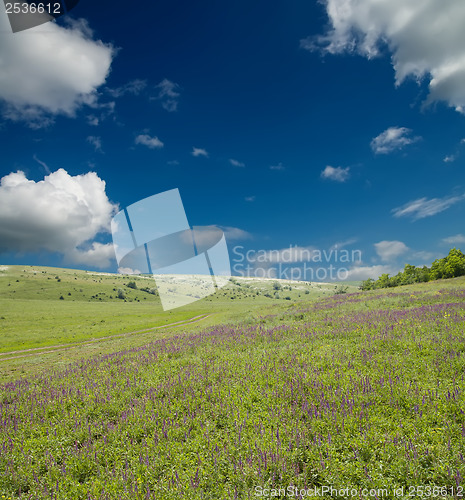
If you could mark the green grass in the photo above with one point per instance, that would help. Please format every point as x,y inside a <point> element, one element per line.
<point>361,390</point>
<point>33,315</point>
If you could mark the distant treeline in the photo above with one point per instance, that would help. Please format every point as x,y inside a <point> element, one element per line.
<point>448,267</point>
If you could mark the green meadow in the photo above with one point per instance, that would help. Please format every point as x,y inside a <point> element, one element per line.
<point>44,307</point>
<point>275,390</point>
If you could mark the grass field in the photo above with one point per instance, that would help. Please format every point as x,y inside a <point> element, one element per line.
<point>33,315</point>
<point>358,390</point>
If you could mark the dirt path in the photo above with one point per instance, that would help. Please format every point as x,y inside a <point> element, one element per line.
<point>63,347</point>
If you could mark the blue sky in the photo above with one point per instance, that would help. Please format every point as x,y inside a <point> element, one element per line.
<point>306,124</point>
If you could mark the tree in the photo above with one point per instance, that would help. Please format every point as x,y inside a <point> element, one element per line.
<point>368,284</point>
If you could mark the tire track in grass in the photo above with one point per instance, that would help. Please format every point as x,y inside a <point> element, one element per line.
<point>64,347</point>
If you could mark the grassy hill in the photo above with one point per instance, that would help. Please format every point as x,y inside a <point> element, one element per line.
<point>361,390</point>
<point>42,306</point>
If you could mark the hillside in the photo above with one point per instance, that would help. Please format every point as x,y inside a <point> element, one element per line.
<point>362,390</point>
<point>43,306</point>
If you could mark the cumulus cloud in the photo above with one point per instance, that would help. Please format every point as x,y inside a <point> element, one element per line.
<point>150,142</point>
<point>390,250</point>
<point>449,158</point>
<point>199,152</point>
<point>50,70</point>
<point>279,166</point>
<point>360,273</point>
<point>424,207</point>
<point>337,174</point>
<point>392,139</point>
<point>236,163</point>
<point>61,213</point>
<point>168,95</point>
<point>426,40</point>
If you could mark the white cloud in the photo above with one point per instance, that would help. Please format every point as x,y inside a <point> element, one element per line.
<point>98,255</point>
<point>449,159</point>
<point>207,236</point>
<point>390,250</point>
<point>337,174</point>
<point>96,142</point>
<point>421,208</point>
<point>134,87</point>
<point>279,166</point>
<point>93,120</point>
<point>424,256</point>
<point>392,139</point>
<point>341,244</point>
<point>250,198</point>
<point>425,37</point>
<point>236,163</point>
<point>199,152</point>
<point>168,95</point>
<point>61,213</point>
<point>454,240</point>
<point>234,233</point>
<point>42,164</point>
<point>50,70</point>
<point>128,270</point>
<point>150,142</point>
<point>359,273</point>
<point>102,112</point>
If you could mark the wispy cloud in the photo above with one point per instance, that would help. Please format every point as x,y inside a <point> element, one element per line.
<point>150,142</point>
<point>234,233</point>
<point>168,95</point>
<point>279,166</point>
<point>337,174</point>
<point>96,142</point>
<point>250,198</point>
<point>43,164</point>
<point>236,163</point>
<point>424,207</point>
<point>134,87</point>
<point>393,139</point>
<point>199,152</point>
<point>102,112</point>
<point>390,250</point>
<point>457,239</point>
<point>449,158</point>
<point>341,244</point>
